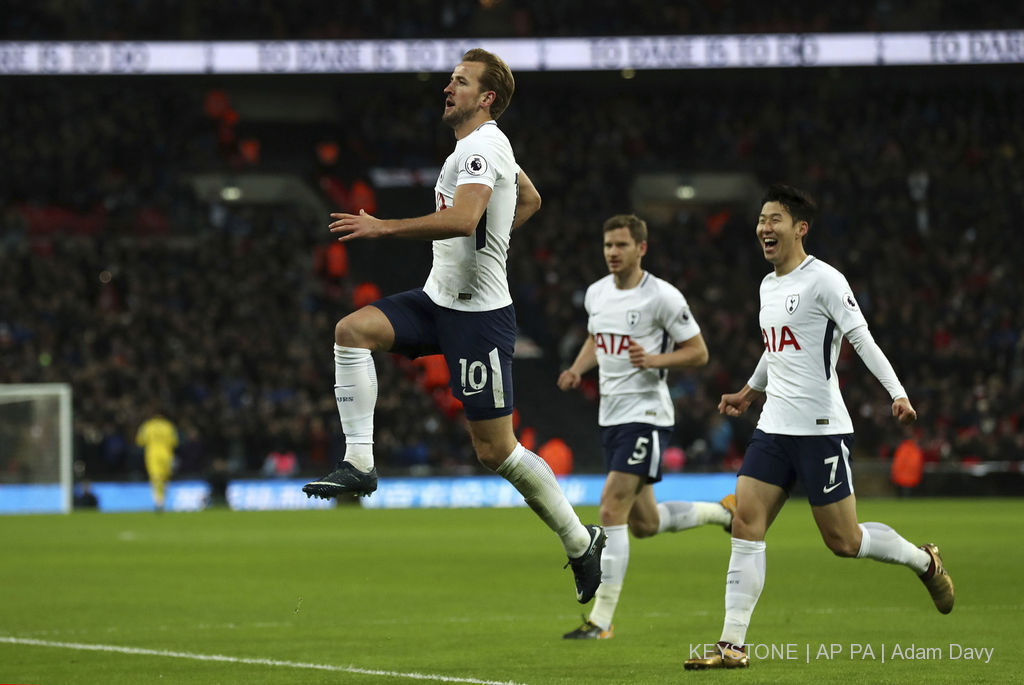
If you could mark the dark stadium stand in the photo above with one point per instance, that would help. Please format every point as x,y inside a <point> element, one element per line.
<point>359,19</point>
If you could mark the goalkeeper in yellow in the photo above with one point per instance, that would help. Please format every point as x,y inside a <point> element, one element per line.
<point>158,438</point>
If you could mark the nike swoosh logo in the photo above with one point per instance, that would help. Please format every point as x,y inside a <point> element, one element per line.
<point>633,461</point>
<point>827,490</point>
<point>467,393</point>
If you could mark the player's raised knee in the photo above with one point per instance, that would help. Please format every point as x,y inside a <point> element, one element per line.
<point>367,327</point>
<point>345,333</point>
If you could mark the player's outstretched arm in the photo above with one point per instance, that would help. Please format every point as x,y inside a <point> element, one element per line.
<point>876,361</point>
<point>585,361</point>
<point>528,201</point>
<point>735,403</point>
<point>461,219</point>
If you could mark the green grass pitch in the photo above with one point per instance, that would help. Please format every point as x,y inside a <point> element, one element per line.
<point>375,596</point>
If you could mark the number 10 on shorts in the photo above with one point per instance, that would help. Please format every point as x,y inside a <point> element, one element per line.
<point>473,376</point>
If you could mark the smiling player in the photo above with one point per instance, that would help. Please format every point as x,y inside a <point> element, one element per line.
<point>805,432</point>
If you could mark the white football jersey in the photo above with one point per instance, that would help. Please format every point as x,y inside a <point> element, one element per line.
<point>804,316</point>
<point>469,273</point>
<point>656,316</point>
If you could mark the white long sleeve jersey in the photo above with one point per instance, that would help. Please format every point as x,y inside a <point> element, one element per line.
<point>804,317</point>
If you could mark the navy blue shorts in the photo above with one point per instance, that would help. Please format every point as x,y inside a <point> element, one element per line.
<point>477,346</point>
<point>820,462</point>
<point>635,448</point>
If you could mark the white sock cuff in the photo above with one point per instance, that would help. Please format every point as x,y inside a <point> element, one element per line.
<point>613,529</point>
<point>740,546</point>
<point>865,541</point>
<point>350,355</point>
<point>512,460</point>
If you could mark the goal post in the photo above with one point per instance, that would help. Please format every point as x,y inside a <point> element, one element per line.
<point>36,474</point>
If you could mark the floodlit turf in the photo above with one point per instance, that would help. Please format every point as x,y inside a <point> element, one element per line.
<point>481,595</point>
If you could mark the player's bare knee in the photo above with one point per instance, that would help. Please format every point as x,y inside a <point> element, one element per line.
<point>842,546</point>
<point>355,331</point>
<point>746,528</point>
<point>486,453</point>
<point>347,333</point>
<point>343,333</point>
<point>615,509</point>
<point>643,529</point>
<point>611,516</point>
<point>489,459</point>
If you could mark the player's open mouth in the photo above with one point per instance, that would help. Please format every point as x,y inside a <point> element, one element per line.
<point>770,243</point>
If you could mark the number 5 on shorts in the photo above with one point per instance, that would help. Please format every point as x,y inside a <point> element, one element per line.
<point>639,451</point>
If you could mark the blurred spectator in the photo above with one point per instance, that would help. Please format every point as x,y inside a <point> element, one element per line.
<point>84,497</point>
<point>558,455</point>
<point>217,477</point>
<point>907,466</point>
<point>366,293</point>
<point>280,464</point>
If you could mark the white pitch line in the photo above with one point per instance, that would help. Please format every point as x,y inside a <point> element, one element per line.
<point>241,660</point>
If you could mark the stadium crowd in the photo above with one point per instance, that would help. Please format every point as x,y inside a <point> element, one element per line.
<point>365,19</point>
<point>115,278</point>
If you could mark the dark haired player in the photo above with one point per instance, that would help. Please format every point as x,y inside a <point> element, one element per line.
<point>805,432</point>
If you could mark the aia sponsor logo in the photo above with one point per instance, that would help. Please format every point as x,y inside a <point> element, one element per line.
<point>612,343</point>
<point>777,341</point>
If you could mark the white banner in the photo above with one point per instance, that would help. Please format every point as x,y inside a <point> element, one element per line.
<point>538,54</point>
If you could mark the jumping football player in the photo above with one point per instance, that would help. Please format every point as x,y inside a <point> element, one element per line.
<point>464,311</point>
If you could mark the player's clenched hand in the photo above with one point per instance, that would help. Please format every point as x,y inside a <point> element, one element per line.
<point>903,411</point>
<point>568,379</point>
<point>638,356</point>
<point>733,404</point>
<point>360,225</point>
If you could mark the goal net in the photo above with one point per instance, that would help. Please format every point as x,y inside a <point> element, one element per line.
<point>35,448</point>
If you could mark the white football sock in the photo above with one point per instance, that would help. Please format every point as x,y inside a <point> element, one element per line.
<point>676,516</point>
<point>614,561</point>
<point>355,389</point>
<point>535,481</point>
<point>879,541</point>
<point>743,585</point>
